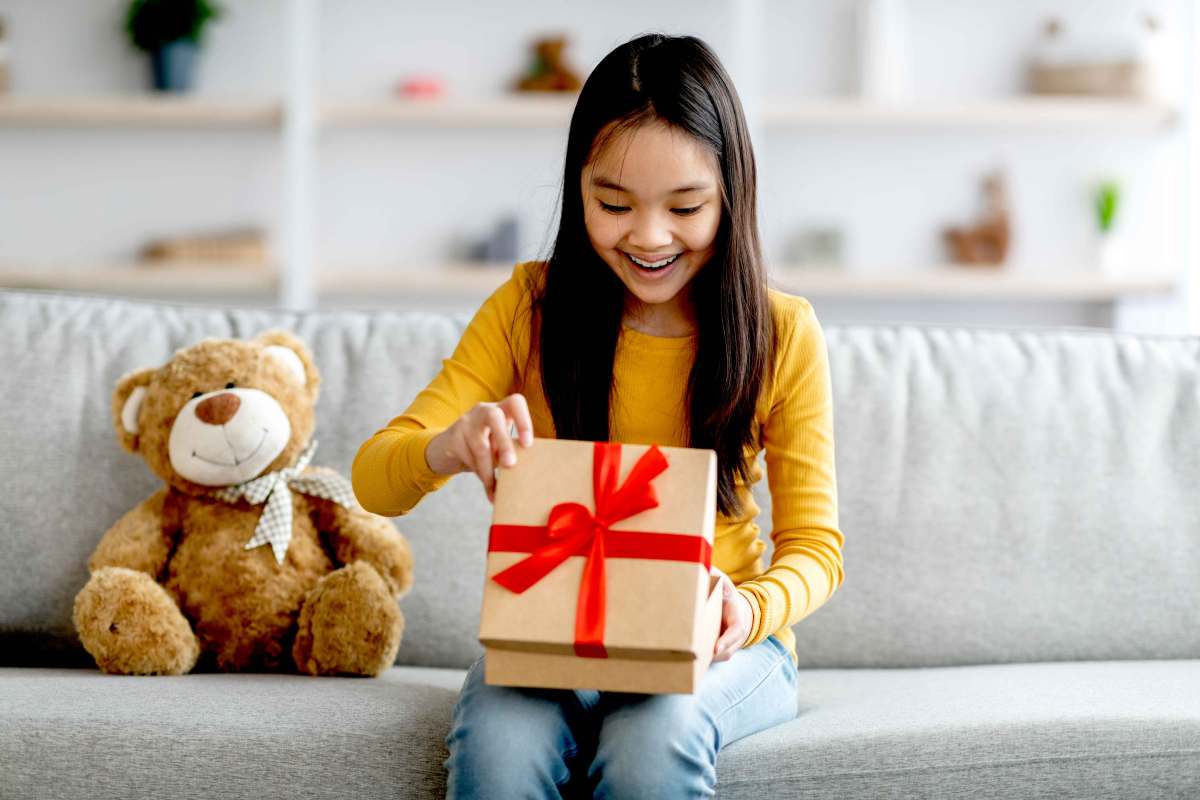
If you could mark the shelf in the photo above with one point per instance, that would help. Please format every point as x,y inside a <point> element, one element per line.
<point>168,111</point>
<point>472,281</point>
<point>1100,115</point>
<point>146,280</point>
<point>1095,114</point>
<point>434,279</point>
<point>944,282</point>
<point>554,111</point>
<point>976,283</point>
<point>512,111</point>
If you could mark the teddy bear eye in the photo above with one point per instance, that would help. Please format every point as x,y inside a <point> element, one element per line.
<point>230,385</point>
<point>196,394</point>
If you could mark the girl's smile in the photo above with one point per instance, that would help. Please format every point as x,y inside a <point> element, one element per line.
<point>654,269</point>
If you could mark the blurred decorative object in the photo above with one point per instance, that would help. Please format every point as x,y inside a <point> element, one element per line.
<point>421,87</point>
<point>1108,194</point>
<point>5,76</point>
<point>171,32</point>
<point>236,247</point>
<point>549,72</point>
<point>501,244</point>
<point>1125,65</point>
<point>1107,202</point>
<point>816,247</point>
<point>985,242</point>
<point>884,64</point>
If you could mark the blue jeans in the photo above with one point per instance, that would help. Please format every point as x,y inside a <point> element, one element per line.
<point>511,742</point>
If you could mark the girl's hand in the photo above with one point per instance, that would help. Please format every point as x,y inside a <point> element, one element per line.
<point>736,618</point>
<point>479,440</point>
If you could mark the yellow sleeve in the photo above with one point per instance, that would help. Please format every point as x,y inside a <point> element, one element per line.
<point>390,473</point>
<point>806,564</point>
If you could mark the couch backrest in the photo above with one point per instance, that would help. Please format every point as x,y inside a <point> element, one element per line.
<point>1006,494</point>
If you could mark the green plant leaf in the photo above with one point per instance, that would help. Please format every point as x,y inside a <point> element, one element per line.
<point>1107,199</point>
<point>150,24</point>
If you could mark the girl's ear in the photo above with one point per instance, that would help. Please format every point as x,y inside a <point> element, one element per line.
<point>128,399</point>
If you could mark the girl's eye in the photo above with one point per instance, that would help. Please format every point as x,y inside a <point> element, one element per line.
<point>613,209</point>
<point>686,212</point>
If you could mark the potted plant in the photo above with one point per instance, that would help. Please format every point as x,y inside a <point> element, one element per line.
<point>170,31</point>
<point>1107,197</point>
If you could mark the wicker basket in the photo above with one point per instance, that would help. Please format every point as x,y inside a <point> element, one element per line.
<point>1120,79</point>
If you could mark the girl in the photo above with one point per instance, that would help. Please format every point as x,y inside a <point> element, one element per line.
<point>650,322</point>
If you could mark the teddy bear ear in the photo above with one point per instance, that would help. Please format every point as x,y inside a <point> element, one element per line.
<point>287,350</point>
<point>128,399</point>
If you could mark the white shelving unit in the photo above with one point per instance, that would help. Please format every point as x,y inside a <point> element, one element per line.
<point>947,282</point>
<point>300,119</point>
<point>1069,115</point>
<point>943,282</point>
<point>139,111</point>
<point>1066,114</point>
<point>177,279</point>
<point>517,111</point>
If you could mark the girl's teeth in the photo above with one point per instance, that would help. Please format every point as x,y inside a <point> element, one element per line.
<point>654,265</point>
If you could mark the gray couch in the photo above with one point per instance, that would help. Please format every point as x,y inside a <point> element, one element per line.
<point>1020,616</point>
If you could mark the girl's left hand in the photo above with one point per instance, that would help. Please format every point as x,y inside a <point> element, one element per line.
<point>736,619</point>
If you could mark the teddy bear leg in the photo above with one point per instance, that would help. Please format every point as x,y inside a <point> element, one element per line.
<point>349,624</point>
<point>130,624</point>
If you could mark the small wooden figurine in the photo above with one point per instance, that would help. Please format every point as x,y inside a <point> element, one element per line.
<point>550,72</point>
<point>985,242</point>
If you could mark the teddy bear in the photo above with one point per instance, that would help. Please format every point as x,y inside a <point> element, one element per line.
<point>248,559</point>
<point>550,72</point>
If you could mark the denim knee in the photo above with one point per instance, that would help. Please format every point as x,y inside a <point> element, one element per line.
<point>661,746</point>
<point>506,742</point>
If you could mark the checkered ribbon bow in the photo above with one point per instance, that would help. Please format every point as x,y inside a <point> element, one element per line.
<point>275,524</point>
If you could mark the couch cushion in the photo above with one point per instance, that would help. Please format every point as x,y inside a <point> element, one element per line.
<point>1106,730</point>
<point>1098,730</point>
<point>68,733</point>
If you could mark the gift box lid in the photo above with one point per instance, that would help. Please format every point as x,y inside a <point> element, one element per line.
<point>656,561</point>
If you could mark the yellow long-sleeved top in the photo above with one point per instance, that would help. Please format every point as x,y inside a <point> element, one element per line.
<point>795,420</point>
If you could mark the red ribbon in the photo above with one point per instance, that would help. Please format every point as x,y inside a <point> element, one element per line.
<point>572,529</point>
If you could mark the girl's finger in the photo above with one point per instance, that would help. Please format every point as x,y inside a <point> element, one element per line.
<point>502,445</point>
<point>727,644</point>
<point>517,408</point>
<point>481,453</point>
<point>720,652</point>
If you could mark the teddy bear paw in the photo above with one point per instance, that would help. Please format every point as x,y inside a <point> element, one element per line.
<point>349,624</point>
<point>130,624</point>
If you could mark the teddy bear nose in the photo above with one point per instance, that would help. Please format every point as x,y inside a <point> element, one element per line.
<point>218,409</point>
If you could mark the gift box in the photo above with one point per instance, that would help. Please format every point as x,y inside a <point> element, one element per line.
<point>598,568</point>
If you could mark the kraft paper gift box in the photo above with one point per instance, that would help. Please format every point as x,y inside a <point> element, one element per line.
<point>617,599</point>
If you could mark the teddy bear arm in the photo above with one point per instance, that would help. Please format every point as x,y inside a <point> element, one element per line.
<point>136,541</point>
<point>354,534</point>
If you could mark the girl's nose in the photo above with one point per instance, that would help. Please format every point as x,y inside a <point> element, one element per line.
<point>649,233</point>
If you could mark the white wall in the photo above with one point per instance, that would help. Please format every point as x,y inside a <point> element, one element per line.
<point>395,196</point>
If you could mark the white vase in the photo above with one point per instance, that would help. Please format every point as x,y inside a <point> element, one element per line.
<point>1108,254</point>
<point>884,69</point>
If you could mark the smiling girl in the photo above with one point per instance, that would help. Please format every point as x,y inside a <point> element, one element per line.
<point>650,322</point>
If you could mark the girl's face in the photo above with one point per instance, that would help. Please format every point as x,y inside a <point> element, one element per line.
<point>653,195</point>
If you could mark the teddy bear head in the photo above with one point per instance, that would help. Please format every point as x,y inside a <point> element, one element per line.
<point>220,412</point>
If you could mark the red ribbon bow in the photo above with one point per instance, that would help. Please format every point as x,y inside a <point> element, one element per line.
<point>573,529</point>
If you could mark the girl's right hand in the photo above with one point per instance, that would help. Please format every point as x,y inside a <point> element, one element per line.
<point>479,440</point>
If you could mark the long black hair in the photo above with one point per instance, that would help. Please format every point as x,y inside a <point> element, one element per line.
<point>676,80</point>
